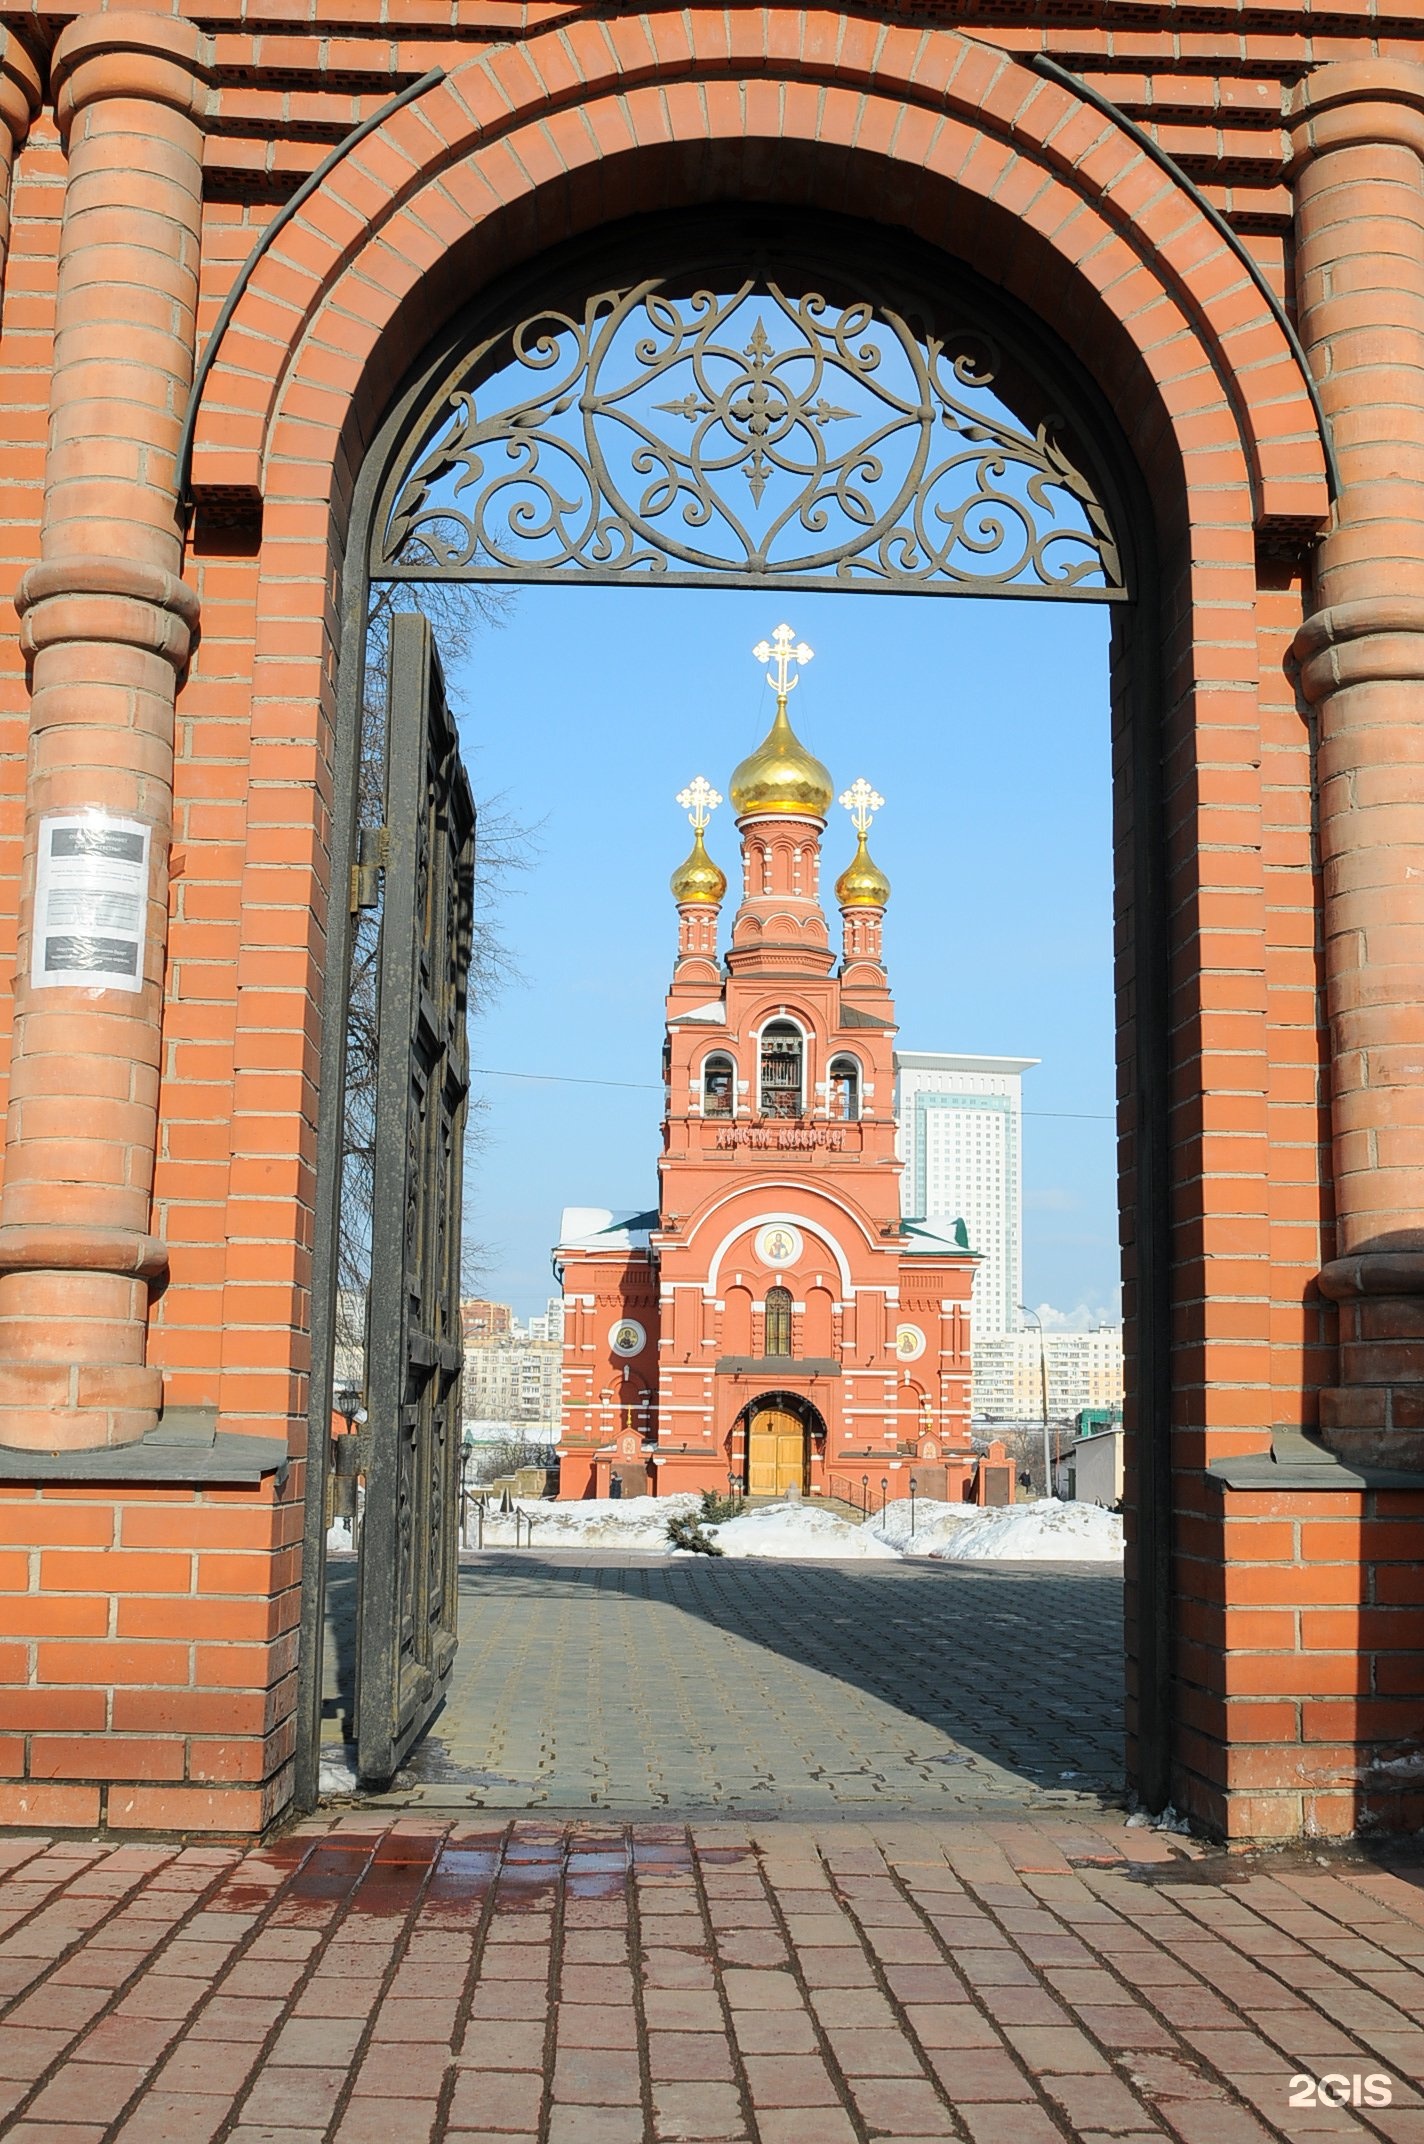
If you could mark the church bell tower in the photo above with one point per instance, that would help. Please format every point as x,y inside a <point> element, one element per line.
<point>807,1339</point>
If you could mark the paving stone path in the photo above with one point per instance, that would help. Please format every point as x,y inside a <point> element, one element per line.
<point>374,1981</point>
<point>599,1680</point>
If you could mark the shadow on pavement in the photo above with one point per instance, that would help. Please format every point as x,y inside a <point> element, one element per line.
<point>595,1679</point>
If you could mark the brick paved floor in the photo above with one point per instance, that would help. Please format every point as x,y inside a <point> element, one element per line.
<point>593,1679</point>
<point>1021,1981</point>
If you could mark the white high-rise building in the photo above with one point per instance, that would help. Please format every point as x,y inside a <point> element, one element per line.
<point>550,1325</point>
<point>513,1380</point>
<point>961,1139</point>
<point>1083,1370</point>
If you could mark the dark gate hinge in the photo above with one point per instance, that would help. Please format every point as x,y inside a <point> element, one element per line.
<point>373,848</point>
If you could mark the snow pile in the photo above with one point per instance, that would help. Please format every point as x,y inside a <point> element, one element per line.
<point>789,1531</point>
<point>1045,1532</point>
<point>935,1522</point>
<point>631,1522</point>
<point>780,1531</point>
<point>1167,1820</point>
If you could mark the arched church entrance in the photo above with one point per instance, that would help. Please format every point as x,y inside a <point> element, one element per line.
<point>781,1432</point>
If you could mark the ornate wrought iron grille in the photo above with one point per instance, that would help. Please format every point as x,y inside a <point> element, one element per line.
<point>741,438</point>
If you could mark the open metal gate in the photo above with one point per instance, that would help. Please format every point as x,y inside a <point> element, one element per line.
<point>406,1636</point>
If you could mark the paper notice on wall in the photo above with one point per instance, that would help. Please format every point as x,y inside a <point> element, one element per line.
<point>91,902</point>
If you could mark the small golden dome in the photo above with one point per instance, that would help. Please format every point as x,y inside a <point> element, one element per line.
<point>862,884</point>
<point>698,879</point>
<point>781,776</point>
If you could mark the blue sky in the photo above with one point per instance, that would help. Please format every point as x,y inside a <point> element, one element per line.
<point>983,724</point>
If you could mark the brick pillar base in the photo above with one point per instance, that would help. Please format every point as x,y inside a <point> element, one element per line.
<point>148,1653</point>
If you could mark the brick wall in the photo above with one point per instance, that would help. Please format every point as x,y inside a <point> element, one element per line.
<point>148,1639</point>
<point>1301,1663</point>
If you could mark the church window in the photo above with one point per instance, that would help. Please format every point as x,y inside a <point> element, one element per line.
<point>845,1090</point>
<point>719,1080</point>
<point>782,1052</point>
<point>777,1336</point>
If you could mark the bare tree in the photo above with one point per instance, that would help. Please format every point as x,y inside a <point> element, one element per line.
<point>491,1462</point>
<point>504,844</point>
<point>1023,1446</point>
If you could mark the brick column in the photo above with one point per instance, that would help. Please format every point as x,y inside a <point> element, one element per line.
<point>107,623</point>
<point>19,101</point>
<point>1359,183</point>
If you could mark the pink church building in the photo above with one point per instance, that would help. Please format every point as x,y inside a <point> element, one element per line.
<point>774,1327</point>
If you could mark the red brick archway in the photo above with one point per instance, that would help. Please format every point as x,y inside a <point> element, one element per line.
<point>954,141</point>
<point>1119,261</point>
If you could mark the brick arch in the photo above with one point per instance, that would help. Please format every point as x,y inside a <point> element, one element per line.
<point>942,135</point>
<point>971,154</point>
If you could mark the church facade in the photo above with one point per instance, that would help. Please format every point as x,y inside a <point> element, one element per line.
<point>774,1327</point>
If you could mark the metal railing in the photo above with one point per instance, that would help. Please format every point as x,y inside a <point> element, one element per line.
<point>865,1493</point>
<point>524,1523</point>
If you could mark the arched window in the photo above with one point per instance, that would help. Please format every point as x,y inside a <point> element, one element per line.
<point>782,1052</point>
<point>776,1338</point>
<point>719,1087</point>
<point>844,1097</point>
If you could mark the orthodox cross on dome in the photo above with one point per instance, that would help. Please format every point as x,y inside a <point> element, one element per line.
<point>783,649</point>
<point>699,800</point>
<point>862,802</point>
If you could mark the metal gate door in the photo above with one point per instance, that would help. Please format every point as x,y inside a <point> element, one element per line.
<point>406,1616</point>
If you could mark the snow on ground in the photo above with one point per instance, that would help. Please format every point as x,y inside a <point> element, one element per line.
<point>934,1522</point>
<point>1045,1532</point>
<point>633,1522</point>
<point>788,1531</point>
<point>959,1533</point>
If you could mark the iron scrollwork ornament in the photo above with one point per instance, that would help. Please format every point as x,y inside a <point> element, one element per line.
<point>744,438</point>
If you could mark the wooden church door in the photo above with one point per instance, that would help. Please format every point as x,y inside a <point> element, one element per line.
<point>776,1458</point>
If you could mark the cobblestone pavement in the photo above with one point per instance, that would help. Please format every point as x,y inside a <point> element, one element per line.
<point>594,1679</point>
<point>1022,1981</point>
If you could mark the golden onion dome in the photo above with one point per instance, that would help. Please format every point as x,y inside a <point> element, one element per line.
<point>781,776</point>
<point>862,884</point>
<point>698,878</point>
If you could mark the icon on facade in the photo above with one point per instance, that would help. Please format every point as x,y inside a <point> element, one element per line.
<point>779,1244</point>
<point>909,1343</point>
<point>627,1337</point>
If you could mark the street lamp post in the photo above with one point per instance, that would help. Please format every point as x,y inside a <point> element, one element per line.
<point>467,1445</point>
<point>346,1457</point>
<point>1025,1312</point>
<point>914,1485</point>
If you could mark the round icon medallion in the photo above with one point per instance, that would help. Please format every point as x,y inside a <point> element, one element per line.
<point>909,1343</point>
<point>627,1337</point>
<point>778,1244</point>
